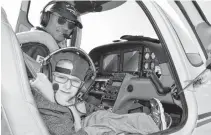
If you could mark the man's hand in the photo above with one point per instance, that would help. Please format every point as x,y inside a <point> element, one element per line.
<point>44,86</point>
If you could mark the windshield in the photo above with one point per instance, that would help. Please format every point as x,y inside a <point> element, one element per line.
<point>104,27</point>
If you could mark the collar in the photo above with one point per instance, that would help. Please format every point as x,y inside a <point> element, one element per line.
<point>40,28</point>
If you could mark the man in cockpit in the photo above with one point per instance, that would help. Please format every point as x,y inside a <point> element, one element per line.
<point>59,19</point>
<point>60,111</point>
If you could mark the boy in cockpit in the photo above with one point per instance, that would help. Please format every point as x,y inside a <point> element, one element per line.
<point>60,111</point>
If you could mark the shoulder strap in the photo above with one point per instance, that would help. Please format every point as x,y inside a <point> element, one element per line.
<point>33,66</point>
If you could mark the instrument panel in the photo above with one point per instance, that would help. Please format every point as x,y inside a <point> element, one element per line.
<point>150,63</point>
<point>123,75</point>
<point>112,66</point>
<point>138,60</point>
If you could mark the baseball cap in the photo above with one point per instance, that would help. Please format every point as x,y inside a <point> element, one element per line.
<point>79,66</point>
<point>66,10</point>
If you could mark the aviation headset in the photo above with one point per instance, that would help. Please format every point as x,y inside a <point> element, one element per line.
<point>90,74</point>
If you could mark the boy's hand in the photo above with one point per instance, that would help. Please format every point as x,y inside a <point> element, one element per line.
<point>44,86</point>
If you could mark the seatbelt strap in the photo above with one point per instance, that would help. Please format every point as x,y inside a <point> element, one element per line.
<point>33,66</point>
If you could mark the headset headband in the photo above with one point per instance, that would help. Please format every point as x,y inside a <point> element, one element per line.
<point>74,50</point>
<point>53,2</point>
<point>49,3</point>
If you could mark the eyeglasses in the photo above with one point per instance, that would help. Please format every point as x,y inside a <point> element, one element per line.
<point>63,79</point>
<point>62,20</point>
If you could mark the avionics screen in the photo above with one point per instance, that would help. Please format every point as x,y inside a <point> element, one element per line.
<point>131,61</point>
<point>110,63</point>
<point>116,84</point>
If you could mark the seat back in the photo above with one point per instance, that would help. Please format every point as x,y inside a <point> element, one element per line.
<point>38,36</point>
<point>18,105</point>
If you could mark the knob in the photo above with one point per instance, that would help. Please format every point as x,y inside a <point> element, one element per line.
<point>130,88</point>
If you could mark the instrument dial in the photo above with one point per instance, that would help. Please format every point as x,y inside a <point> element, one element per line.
<point>152,65</point>
<point>146,56</point>
<point>146,65</point>
<point>153,56</point>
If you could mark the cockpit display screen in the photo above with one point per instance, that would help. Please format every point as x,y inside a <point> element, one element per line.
<point>116,84</point>
<point>110,63</point>
<point>131,61</point>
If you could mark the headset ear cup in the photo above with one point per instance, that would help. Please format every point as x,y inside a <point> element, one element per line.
<point>42,22</point>
<point>44,18</point>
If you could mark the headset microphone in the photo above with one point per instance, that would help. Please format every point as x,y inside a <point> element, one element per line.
<point>55,86</point>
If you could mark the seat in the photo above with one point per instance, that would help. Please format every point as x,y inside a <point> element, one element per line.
<point>38,36</point>
<point>18,105</point>
<point>45,44</point>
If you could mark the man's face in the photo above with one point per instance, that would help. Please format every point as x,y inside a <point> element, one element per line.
<point>58,26</point>
<point>68,85</point>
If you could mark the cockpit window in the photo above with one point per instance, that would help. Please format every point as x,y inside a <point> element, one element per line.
<point>101,28</point>
<point>35,11</point>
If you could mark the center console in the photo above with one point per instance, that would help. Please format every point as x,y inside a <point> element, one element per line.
<point>106,89</point>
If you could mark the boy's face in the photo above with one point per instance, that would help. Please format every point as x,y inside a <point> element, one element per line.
<point>68,84</point>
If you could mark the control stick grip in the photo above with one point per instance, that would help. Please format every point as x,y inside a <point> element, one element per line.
<point>160,88</point>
